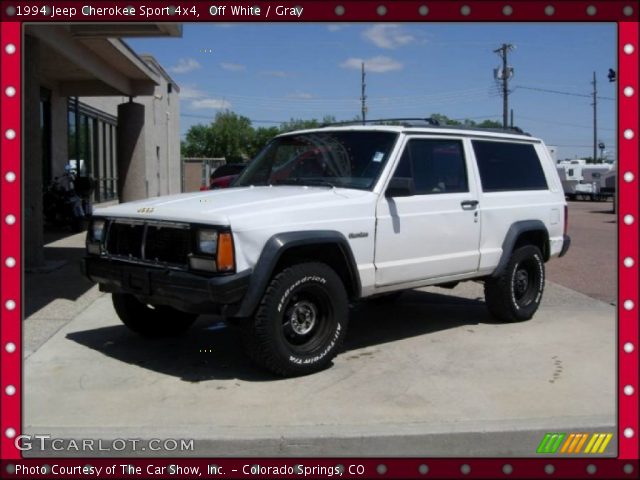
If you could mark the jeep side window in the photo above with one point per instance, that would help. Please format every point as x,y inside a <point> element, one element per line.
<point>435,166</point>
<point>508,166</point>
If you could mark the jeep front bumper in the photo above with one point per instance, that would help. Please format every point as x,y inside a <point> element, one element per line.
<point>161,286</point>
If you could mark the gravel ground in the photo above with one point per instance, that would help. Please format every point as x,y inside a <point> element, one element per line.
<point>590,266</point>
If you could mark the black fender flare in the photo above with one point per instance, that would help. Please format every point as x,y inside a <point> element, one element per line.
<point>273,250</point>
<point>515,230</point>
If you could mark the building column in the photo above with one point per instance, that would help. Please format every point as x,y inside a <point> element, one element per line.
<point>131,159</point>
<point>32,161</point>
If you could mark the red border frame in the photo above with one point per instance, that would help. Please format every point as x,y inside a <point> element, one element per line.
<point>10,195</point>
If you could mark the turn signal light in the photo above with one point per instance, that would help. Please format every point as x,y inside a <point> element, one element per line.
<point>224,256</point>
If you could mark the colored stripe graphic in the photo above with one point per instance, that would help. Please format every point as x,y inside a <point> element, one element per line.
<point>573,443</point>
<point>605,442</point>
<point>582,440</point>
<point>594,437</point>
<point>576,438</point>
<point>570,439</point>
<point>551,442</point>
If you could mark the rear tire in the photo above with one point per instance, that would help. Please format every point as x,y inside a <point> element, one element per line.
<point>301,321</point>
<point>151,321</point>
<point>516,293</point>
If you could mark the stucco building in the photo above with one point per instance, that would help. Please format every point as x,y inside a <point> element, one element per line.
<point>92,101</point>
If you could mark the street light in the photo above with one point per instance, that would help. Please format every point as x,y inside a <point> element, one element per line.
<point>601,147</point>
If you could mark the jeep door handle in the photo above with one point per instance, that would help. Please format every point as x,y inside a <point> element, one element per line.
<point>469,204</point>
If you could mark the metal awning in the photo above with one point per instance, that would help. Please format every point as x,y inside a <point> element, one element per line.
<point>87,60</point>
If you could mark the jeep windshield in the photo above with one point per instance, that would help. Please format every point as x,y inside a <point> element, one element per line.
<point>345,159</point>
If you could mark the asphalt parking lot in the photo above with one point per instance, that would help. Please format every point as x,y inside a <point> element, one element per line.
<point>590,266</point>
<point>430,375</point>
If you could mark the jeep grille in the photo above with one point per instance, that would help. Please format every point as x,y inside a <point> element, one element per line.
<point>157,243</point>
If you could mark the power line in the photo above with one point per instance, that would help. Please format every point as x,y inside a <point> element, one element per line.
<point>584,95</point>
<point>544,120</point>
<point>346,102</point>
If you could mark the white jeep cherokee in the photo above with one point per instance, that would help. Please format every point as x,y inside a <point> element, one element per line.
<point>324,217</point>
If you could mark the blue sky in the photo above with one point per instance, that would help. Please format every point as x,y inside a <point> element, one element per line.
<point>274,72</point>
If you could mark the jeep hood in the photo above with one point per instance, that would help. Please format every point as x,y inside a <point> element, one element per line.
<point>236,206</point>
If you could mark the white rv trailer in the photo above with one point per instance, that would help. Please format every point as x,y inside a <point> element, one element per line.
<point>586,180</point>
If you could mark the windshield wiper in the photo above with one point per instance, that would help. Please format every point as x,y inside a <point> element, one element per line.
<point>309,181</point>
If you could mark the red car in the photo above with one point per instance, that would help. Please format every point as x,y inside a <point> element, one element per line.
<point>222,182</point>
<point>224,175</point>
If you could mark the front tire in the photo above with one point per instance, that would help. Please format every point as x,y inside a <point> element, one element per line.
<point>151,321</point>
<point>301,321</point>
<point>516,293</point>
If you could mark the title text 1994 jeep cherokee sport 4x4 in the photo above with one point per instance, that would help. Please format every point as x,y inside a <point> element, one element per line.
<point>324,217</point>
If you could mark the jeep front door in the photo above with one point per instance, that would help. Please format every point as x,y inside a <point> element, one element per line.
<point>428,222</point>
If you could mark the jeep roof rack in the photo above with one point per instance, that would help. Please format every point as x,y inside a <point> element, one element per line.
<point>420,122</point>
<point>403,122</point>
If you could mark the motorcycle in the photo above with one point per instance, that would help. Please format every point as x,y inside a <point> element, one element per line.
<point>67,201</point>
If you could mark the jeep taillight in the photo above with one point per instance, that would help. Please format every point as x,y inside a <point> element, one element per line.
<point>566,219</point>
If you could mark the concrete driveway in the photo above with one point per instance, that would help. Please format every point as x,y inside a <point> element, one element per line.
<point>430,375</point>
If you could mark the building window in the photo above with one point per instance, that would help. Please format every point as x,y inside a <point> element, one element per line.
<point>92,147</point>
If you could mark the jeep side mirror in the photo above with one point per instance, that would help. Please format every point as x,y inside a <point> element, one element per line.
<point>400,187</point>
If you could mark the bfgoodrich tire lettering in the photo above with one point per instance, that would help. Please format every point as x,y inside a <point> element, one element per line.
<point>515,295</point>
<point>301,321</point>
<point>151,321</point>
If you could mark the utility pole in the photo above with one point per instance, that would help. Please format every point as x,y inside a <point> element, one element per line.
<point>504,76</point>
<point>363,97</point>
<point>595,120</point>
<point>512,118</point>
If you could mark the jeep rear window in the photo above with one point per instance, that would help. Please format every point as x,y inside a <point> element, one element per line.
<point>346,159</point>
<point>508,166</point>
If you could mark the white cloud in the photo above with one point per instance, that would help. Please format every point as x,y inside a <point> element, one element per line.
<point>185,65</point>
<point>374,64</point>
<point>300,95</point>
<point>210,103</point>
<point>388,35</point>
<point>187,92</point>
<point>233,67</point>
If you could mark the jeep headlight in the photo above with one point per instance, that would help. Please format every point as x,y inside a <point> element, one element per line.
<point>97,230</point>
<point>95,236</point>
<point>207,242</point>
<point>214,251</point>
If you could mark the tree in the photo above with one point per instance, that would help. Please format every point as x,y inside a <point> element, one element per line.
<point>198,142</point>
<point>299,124</point>
<point>467,122</point>
<point>233,137</point>
<point>229,135</point>
<point>261,136</point>
<point>490,124</point>
<point>444,120</point>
